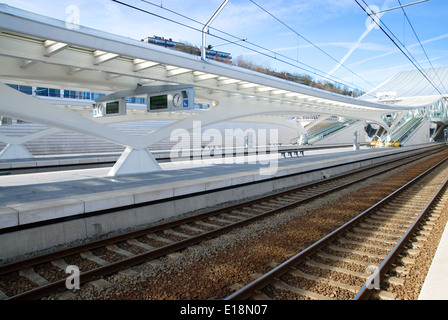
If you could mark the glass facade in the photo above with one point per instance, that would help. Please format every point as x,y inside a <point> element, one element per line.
<point>68,94</point>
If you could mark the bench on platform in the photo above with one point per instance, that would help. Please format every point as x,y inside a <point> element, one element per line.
<point>292,152</point>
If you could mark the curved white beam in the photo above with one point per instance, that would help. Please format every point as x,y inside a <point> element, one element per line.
<point>15,149</point>
<point>18,105</point>
<point>126,51</point>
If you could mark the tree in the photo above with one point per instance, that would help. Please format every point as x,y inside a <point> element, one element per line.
<point>304,79</point>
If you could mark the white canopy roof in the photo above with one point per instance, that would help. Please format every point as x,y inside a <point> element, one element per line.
<point>41,51</point>
<point>411,88</point>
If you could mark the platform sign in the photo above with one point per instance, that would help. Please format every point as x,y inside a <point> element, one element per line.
<point>175,100</point>
<point>158,103</point>
<point>5,121</point>
<point>109,108</point>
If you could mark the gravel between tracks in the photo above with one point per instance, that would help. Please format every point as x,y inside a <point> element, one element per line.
<point>216,268</point>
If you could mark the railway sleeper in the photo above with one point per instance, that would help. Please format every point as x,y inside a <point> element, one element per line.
<point>430,223</point>
<point>413,252</point>
<point>421,238</point>
<point>160,239</point>
<point>292,198</point>
<point>31,275</point>
<point>230,216</point>
<point>391,213</point>
<point>99,284</point>
<point>377,226</point>
<point>361,244</point>
<point>60,263</point>
<point>135,242</point>
<point>300,274</point>
<point>220,220</point>
<point>321,189</point>
<point>433,218</point>
<point>206,224</point>
<point>424,232</point>
<point>373,237</point>
<point>371,232</point>
<point>3,295</point>
<point>116,249</point>
<point>356,252</point>
<point>247,214</point>
<point>282,202</point>
<point>91,257</point>
<point>176,233</point>
<point>387,224</point>
<point>406,203</point>
<point>328,256</point>
<point>397,218</point>
<point>439,209</point>
<point>260,296</point>
<point>308,194</point>
<point>254,211</point>
<point>261,207</point>
<point>384,295</point>
<point>322,266</point>
<point>407,260</point>
<point>395,281</point>
<point>280,285</point>
<point>191,228</point>
<point>399,212</point>
<point>417,245</point>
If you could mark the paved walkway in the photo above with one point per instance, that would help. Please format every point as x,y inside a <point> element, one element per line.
<point>436,283</point>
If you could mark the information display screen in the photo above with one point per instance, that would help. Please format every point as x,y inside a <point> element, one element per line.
<point>113,107</point>
<point>158,102</point>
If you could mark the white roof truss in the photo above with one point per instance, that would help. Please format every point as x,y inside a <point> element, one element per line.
<point>39,50</point>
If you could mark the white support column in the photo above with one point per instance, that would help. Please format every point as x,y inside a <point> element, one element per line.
<point>137,159</point>
<point>15,151</point>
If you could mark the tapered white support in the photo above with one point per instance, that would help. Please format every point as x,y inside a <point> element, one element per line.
<point>134,161</point>
<point>15,151</point>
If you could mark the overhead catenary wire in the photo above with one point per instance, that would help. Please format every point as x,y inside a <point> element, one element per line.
<point>275,54</point>
<point>261,50</point>
<point>421,45</point>
<point>311,43</point>
<point>382,27</point>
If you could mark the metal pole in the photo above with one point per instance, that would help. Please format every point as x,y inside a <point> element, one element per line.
<point>403,6</point>
<point>207,25</point>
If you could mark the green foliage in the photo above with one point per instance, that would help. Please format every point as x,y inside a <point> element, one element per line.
<point>188,48</point>
<point>298,78</point>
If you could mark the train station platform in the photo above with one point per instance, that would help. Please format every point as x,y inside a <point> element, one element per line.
<point>55,162</point>
<point>41,210</point>
<point>435,286</point>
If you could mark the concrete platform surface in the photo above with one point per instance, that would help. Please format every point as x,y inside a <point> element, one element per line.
<point>435,286</point>
<point>58,160</point>
<point>39,211</point>
<point>31,198</point>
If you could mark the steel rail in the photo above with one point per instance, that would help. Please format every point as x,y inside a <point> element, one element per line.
<point>14,266</point>
<point>365,292</point>
<point>247,291</point>
<point>113,267</point>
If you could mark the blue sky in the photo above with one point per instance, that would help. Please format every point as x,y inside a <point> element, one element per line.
<point>340,28</point>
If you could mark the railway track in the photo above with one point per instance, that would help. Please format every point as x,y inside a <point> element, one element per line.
<point>40,276</point>
<point>352,261</point>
